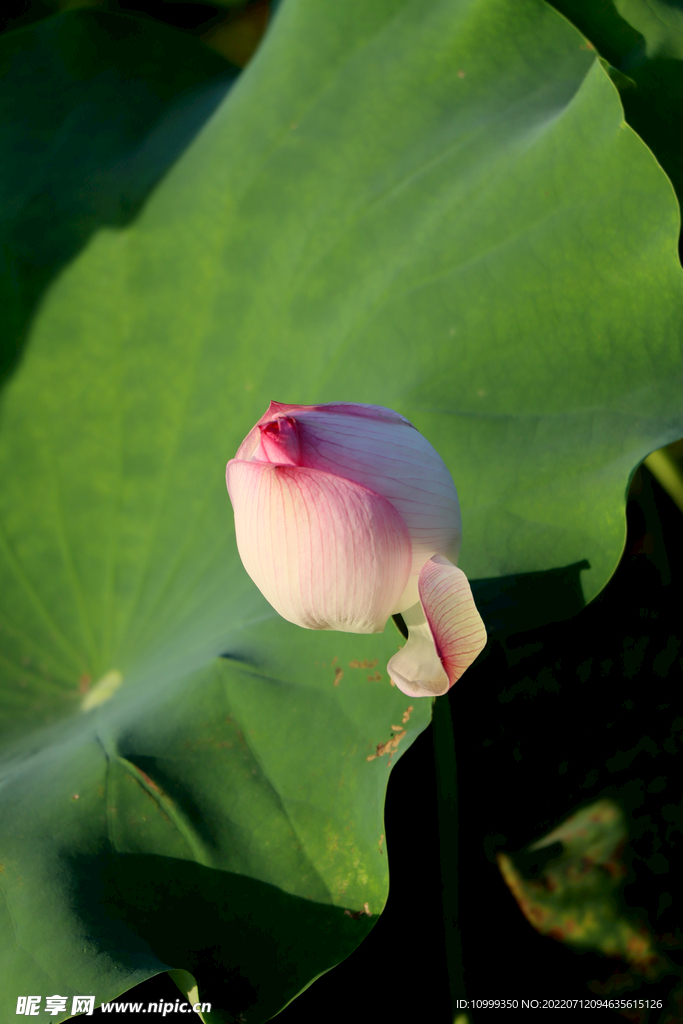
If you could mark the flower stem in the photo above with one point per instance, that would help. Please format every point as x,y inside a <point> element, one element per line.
<point>447,803</point>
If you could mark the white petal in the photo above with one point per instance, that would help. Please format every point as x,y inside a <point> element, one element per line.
<point>392,458</point>
<point>417,668</point>
<point>379,449</point>
<point>324,551</point>
<point>445,633</point>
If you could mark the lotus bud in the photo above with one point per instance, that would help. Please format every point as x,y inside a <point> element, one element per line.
<point>345,515</point>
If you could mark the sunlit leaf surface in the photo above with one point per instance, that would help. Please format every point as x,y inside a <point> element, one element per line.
<point>440,211</point>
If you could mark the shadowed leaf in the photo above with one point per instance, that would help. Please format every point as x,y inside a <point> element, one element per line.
<point>440,211</point>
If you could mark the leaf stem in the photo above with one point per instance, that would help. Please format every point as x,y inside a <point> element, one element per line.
<point>666,470</point>
<point>447,804</point>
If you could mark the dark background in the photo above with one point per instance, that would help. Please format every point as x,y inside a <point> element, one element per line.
<point>546,721</point>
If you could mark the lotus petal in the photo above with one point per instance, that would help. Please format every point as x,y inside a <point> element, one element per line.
<point>445,632</point>
<point>327,553</point>
<point>379,449</point>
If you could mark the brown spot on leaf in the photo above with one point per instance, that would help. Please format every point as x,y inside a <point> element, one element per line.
<point>338,673</point>
<point>84,684</point>
<point>376,677</point>
<point>390,746</point>
<point>359,913</point>
<point>406,714</point>
<point>150,782</point>
<point>363,664</point>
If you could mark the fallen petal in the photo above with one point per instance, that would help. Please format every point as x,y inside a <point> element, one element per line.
<point>445,633</point>
<point>327,553</point>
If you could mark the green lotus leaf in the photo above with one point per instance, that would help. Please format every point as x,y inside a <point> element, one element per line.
<point>659,22</point>
<point>441,211</point>
<point>574,895</point>
<point>642,42</point>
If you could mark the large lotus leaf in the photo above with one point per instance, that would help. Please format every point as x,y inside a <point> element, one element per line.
<point>652,91</point>
<point>234,33</point>
<point>437,210</point>
<point>227,823</point>
<point>104,805</point>
<point>238,34</point>
<point>95,108</point>
<point>147,7</point>
<point>604,26</point>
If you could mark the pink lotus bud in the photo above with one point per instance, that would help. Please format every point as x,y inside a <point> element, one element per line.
<point>345,515</point>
